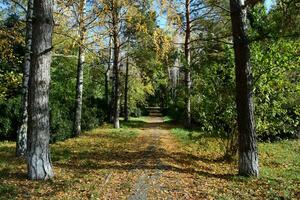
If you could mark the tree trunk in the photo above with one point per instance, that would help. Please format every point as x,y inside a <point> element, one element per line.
<point>38,161</point>
<point>112,102</point>
<point>187,73</point>
<point>126,113</point>
<point>115,20</point>
<point>80,65</point>
<point>107,81</point>
<point>248,156</point>
<point>21,144</point>
<point>106,93</point>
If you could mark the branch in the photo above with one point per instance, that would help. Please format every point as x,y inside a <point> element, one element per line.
<point>20,5</point>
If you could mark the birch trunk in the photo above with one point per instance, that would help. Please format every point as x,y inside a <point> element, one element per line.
<point>116,50</point>
<point>107,82</point>
<point>80,67</point>
<point>38,160</point>
<point>248,156</point>
<point>21,144</point>
<point>126,113</point>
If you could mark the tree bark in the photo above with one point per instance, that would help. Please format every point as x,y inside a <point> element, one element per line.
<point>80,67</point>
<point>112,102</point>
<point>187,72</point>
<point>126,113</point>
<point>21,144</point>
<point>38,160</point>
<point>248,156</point>
<point>107,81</point>
<point>116,50</point>
<point>106,94</point>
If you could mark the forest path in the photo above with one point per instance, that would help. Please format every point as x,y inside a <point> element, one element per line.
<point>158,177</point>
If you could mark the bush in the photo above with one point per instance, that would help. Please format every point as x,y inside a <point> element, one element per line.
<point>10,110</point>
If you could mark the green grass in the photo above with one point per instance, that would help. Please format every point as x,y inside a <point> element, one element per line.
<point>134,122</point>
<point>168,119</point>
<point>187,136</point>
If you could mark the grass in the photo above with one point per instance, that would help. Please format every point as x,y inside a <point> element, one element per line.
<point>279,167</point>
<point>168,119</point>
<point>134,122</point>
<point>81,166</point>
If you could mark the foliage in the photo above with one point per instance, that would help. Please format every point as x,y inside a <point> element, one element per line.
<point>11,53</point>
<point>276,76</point>
<point>275,63</point>
<point>10,117</point>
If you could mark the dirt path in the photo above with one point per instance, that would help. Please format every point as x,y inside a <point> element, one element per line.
<point>143,184</point>
<point>158,177</point>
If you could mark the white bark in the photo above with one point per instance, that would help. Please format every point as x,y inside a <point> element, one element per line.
<point>21,144</point>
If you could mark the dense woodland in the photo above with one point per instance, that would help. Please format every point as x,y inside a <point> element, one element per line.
<point>225,69</point>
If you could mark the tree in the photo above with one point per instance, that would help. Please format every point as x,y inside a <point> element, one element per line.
<point>126,112</point>
<point>38,161</point>
<point>21,144</point>
<point>187,14</point>
<point>106,80</point>
<point>187,71</point>
<point>116,51</point>
<point>248,155</point>
<point>79,79</point>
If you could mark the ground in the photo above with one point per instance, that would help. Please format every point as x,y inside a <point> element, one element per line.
<point>151,159</point>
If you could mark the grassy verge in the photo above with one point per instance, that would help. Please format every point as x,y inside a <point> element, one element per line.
<point>168,119</point>
<point>279,167</point>
<point>82,165</point>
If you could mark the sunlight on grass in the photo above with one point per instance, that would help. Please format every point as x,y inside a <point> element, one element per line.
<point>279,166</point>
<point>168,119</point>
<point>81,165</point>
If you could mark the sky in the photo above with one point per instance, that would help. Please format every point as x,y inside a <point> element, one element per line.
<point>162,19</point>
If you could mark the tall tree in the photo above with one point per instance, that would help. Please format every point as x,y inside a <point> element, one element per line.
<point>106,79</point>
<point>187,70</point>
<point>21,144</point>
<point>248,155</point>
<point>116,53</point>
<point>38,153</point>
<point>186,15</point>
<point>80,65</point>
<point>126,111</point>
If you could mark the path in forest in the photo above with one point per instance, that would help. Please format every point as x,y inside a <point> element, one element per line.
<point>142,186</point>
<point>158,177</point>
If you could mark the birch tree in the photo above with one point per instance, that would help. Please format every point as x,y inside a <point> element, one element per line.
<point>80,65</point>
<point>21,144</point>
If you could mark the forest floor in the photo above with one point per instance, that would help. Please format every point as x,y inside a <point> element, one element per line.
<point>151,159</point>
